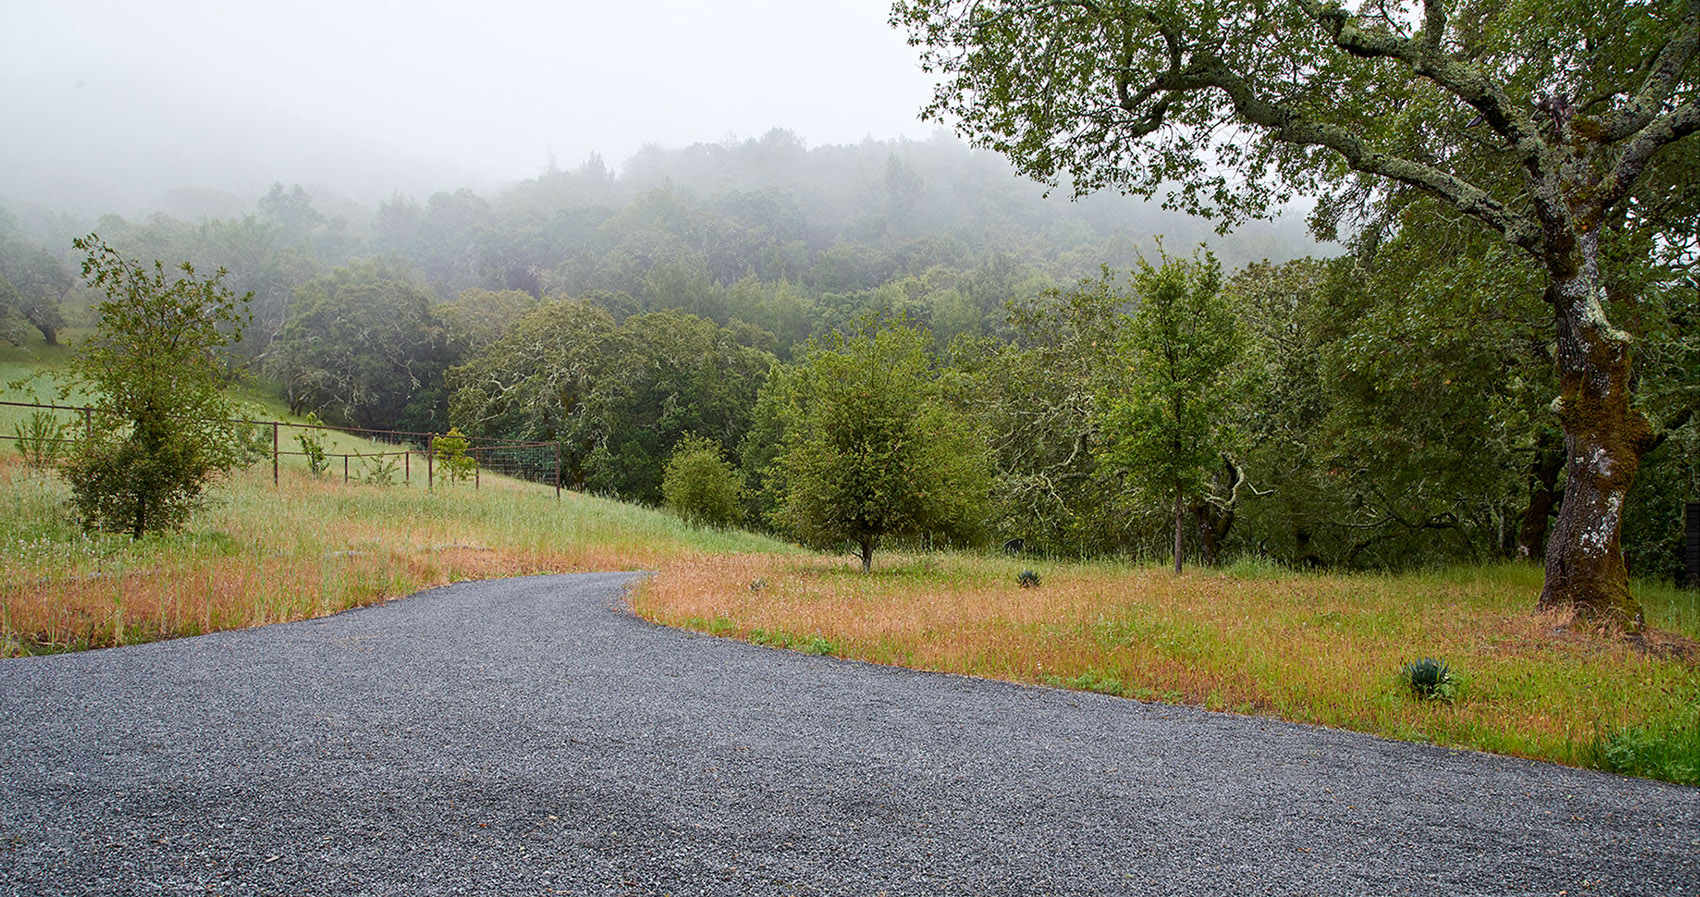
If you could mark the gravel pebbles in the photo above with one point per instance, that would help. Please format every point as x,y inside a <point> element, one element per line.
<point>530,736</point>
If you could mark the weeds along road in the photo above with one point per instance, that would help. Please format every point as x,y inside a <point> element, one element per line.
<point>531,737</point>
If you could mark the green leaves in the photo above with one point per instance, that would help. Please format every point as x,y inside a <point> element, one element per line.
<point>160,427</point>
<point>871,450</point>
<point>1168,425</point>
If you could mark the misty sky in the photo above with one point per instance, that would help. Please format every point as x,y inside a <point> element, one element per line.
<point>426,93</point>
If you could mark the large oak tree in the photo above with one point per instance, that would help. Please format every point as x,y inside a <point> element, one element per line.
<point>1562,125</point>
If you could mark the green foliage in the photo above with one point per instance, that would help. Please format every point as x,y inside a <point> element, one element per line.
<point>700,485</point>
<point>312,444</point>
<point>378,469</point>
<point>40,439</point>
<point>361,345</point>
<point>870,450</point>
<point>1170,426</point>
<point>1671,753</point>
<point>1430,680</point>
<point>1027,579</point>
<point>1035,395</point>
<point>160,430</point>
<point>618,397</point>
<point>32,285</point>
<point>454,464</point>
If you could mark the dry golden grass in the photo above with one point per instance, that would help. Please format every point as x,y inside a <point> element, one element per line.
<point>1312,648</point>
<point>261,554</point>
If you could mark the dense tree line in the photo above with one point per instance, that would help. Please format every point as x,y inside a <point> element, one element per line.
<point>711,302</point>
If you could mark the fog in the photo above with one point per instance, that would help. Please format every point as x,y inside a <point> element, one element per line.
<point>110,106</point>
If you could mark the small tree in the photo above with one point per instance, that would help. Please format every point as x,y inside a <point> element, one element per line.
<point>700,485</point>
<point>160,427</point>
<point>312,444</point>
<point>40,440</point>
<point>872,451</point>
<point>1167,430</point>
<point>456,464</point>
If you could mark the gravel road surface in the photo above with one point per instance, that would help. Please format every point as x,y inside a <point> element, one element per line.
<point>530,736</point>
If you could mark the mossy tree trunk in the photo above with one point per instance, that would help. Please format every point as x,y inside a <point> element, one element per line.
<point>1604,439</point>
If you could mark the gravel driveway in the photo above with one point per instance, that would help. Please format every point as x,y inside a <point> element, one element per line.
<point>530,736</point>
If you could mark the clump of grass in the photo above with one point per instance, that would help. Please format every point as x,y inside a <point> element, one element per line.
<point>1669,752</point>
<point>1430,680</point>
<point>1027,579</point>
<point>1091,680</point>
<point>813,644</point>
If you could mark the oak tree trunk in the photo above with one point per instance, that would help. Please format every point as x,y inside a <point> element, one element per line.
<point>1604,439</point>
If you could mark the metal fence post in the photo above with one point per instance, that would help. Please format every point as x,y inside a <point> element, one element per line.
<point>274,453</point>
<point>557,470</point>
<point>430,463</point>
<point>345,470</point>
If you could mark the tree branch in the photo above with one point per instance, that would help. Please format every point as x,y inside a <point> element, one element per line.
<point>1661,80</point>
<point>1632,161</point>
<point>1288,126</point>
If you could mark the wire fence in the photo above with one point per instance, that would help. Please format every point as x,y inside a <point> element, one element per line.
<point>51,432</point>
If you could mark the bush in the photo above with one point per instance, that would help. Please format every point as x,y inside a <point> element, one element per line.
<point>1028,579</point>
<point>156,361</point>
<point>700,485</point>
<point>380,470</point>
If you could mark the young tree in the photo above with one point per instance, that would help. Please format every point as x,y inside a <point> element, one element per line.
<point>161,414</point>
<point>699,484</point>
<point>1564,128</point>
<point>1168,429</point>
<point>871,451</point>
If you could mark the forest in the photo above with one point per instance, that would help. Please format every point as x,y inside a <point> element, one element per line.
<point>1378,400</point>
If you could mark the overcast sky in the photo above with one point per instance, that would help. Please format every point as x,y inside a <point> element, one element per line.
<point>97,91</point>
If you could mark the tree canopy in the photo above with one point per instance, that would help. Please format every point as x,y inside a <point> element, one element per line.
<point>1557,127</point>
<point>871,451</point>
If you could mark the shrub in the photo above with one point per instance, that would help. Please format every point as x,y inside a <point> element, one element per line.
<point>1430,680</point>
<point>1028,579</point>
<point>700,485</point>
<point>380,470</point>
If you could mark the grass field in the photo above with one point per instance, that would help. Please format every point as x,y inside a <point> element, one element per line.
<point>1325,649</point>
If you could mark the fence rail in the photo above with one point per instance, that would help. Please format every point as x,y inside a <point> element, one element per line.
<point>538,462</point>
